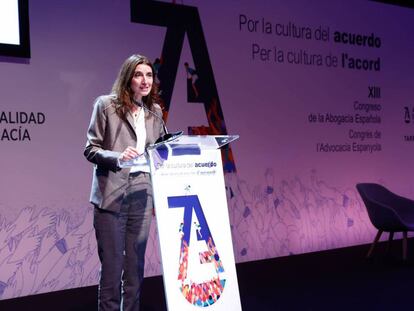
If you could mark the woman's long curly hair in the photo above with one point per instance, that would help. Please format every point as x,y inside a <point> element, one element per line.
<point>122,86</point>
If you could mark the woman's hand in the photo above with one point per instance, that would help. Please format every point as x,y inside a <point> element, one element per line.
<point>129,153</point>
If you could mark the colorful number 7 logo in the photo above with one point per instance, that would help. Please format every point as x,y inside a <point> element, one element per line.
<point>192,264</point>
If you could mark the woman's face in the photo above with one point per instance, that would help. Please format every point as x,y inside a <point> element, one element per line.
<point>141,82</point>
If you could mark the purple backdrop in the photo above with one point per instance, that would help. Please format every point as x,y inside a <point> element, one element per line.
<point>294,190</point>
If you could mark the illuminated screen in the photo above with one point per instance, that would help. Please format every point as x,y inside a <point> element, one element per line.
<point>14,28</point>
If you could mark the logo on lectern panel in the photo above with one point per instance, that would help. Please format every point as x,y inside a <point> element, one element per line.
<point>200,272</point>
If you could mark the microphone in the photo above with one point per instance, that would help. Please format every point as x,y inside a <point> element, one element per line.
<point>168,136</point>
<point>142,105</point>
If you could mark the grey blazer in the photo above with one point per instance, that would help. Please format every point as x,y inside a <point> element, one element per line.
<point>108,136</point>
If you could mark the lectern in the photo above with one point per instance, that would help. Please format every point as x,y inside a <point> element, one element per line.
<point>193,224</point>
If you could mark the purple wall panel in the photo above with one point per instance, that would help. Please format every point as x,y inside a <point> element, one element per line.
<point>286,197</point>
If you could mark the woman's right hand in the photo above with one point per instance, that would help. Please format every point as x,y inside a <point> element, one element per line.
<point>128,154</point>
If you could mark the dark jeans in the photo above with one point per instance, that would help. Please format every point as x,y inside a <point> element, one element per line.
<point>122,239</point>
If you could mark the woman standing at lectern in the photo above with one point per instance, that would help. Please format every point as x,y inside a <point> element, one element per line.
<point>121,127</point>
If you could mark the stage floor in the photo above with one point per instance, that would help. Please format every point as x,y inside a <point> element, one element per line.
<point>340,279</point>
